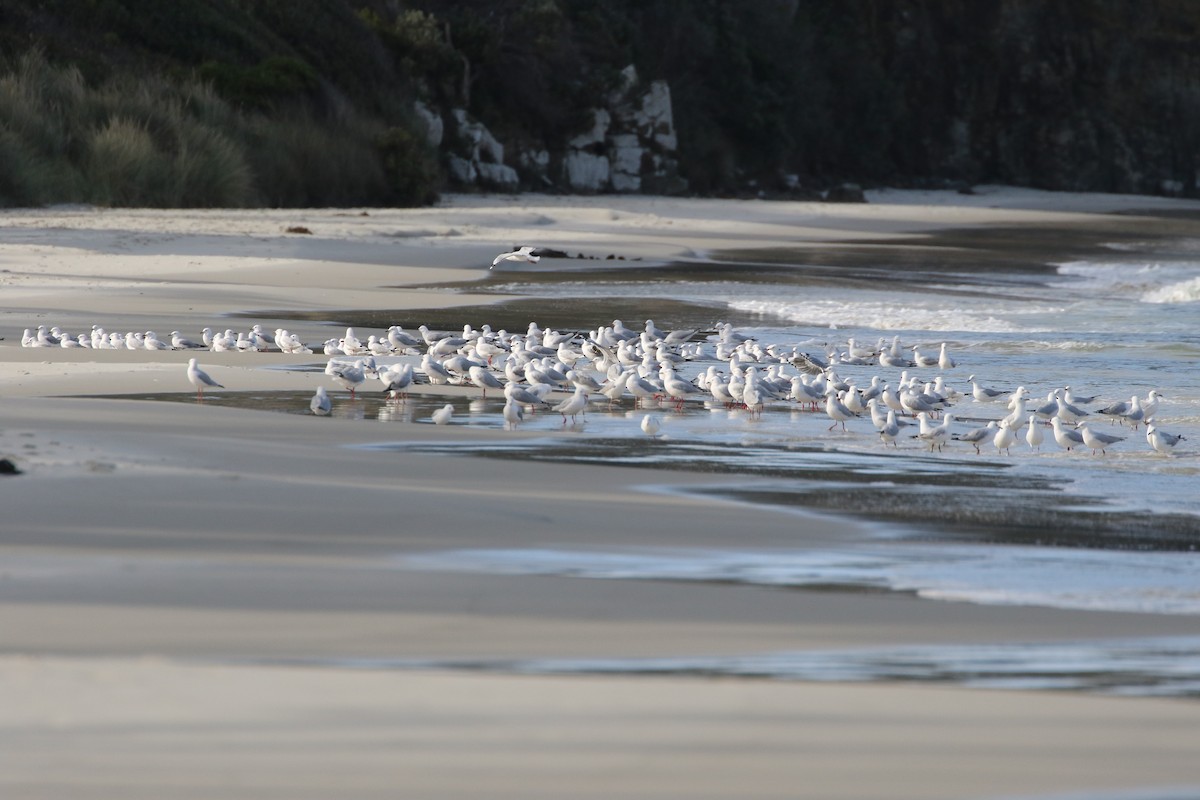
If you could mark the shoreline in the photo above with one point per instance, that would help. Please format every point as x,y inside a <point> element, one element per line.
<point>149,544</point>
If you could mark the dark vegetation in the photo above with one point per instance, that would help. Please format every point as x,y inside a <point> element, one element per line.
<point>309,102</point>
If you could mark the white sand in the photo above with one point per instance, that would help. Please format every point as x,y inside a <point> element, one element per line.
<point>156,557</point>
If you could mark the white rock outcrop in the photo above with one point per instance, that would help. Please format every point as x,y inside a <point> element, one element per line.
<point>585,171</point>
<point>629,147</point>
<point>634,135</point>
<point>434,128</point>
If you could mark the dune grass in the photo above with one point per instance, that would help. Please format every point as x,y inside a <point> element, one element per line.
<point>154,142</point>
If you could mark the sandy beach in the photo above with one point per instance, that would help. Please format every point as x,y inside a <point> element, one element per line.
<point>202,599</point>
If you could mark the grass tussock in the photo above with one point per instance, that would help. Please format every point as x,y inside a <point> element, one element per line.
<point>151,142</point>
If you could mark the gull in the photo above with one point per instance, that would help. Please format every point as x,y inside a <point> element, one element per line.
<point>679,336</point>
<point>1016,420</point>
<point>854,400</point>
<point>378,347</point>
<point>224,342</point>
<point>614,387</point>
<point>809,363</point>
<point>945,361</point>
<point>890,429</point>
<point>753,397</point>
<point>1136,412</point>
<point>443,414</point>
<point>982,394</point>
<point>1065,437</point>
<point>488,350</point>
<point>677,388</point>
<point>150,341</point>
<point>720,391</point>
<point>396,379</point>
<point>1150,404</point>
<point>935,434</point>
<point>48,339</point>
<point>805,393</point>
<point>1034,436</point>
<point>519,394</point>
<point>860,352</point>
<point>836,410</point>
<point>320,404</point>
<point>1097,440</point>
<point>349,376</point>
<point>923,361</point>
<point>581,378</point>
<point>514,414</point>
<point>916,403</point>
<point>889,359</point>
<point>1071,398</point>
<point>1116,409</point>
<point>401,339</point>
<point>200,379</point>
<point>1005,438</point>
<point>351,343</point>
<point>891,399</point>
<point>1018,397</point>
<point>653,331</point>
<point>574,404</point>
<point>1048,409</point>
<point>262,342</point>
<point>1069,413</point>
<point>433,369</point>
<point>651,425</point>
<point>975,436</point>
<point>878,413</point>
<point>483,379</point>
<point>521,254</point>
<point>181,342</point>
<point>1161,441</point>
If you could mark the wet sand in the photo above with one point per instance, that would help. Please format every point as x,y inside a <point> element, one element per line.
<point>162,563</point>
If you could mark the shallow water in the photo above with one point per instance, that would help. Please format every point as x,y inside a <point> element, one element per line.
<point>1120,321</point>
<point>1152,667</point>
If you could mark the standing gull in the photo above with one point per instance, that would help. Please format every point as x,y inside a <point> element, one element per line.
<point>1034,436</point>
<point>1097,440</point>
<point>1161,441</point>
<point>200,379</point>
<point>651,425</point>
<point>1005,438</point>
<point>1065,437</point>
<point>975,436</point>
<point>481,377</point>
<point>836,410</point>
<point>320,404</point>
<point>514,414</point>
<point>574,404</point>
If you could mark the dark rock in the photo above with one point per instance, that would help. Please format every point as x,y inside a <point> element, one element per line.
<point>8,468</point>
<point>845,193</point>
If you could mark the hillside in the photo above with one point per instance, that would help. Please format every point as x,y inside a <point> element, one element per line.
<point>311,102</point>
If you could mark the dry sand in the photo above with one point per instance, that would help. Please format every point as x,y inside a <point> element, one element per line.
<point>159,561</point>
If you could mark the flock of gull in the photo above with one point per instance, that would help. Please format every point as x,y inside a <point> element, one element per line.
<point>659,369</point>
